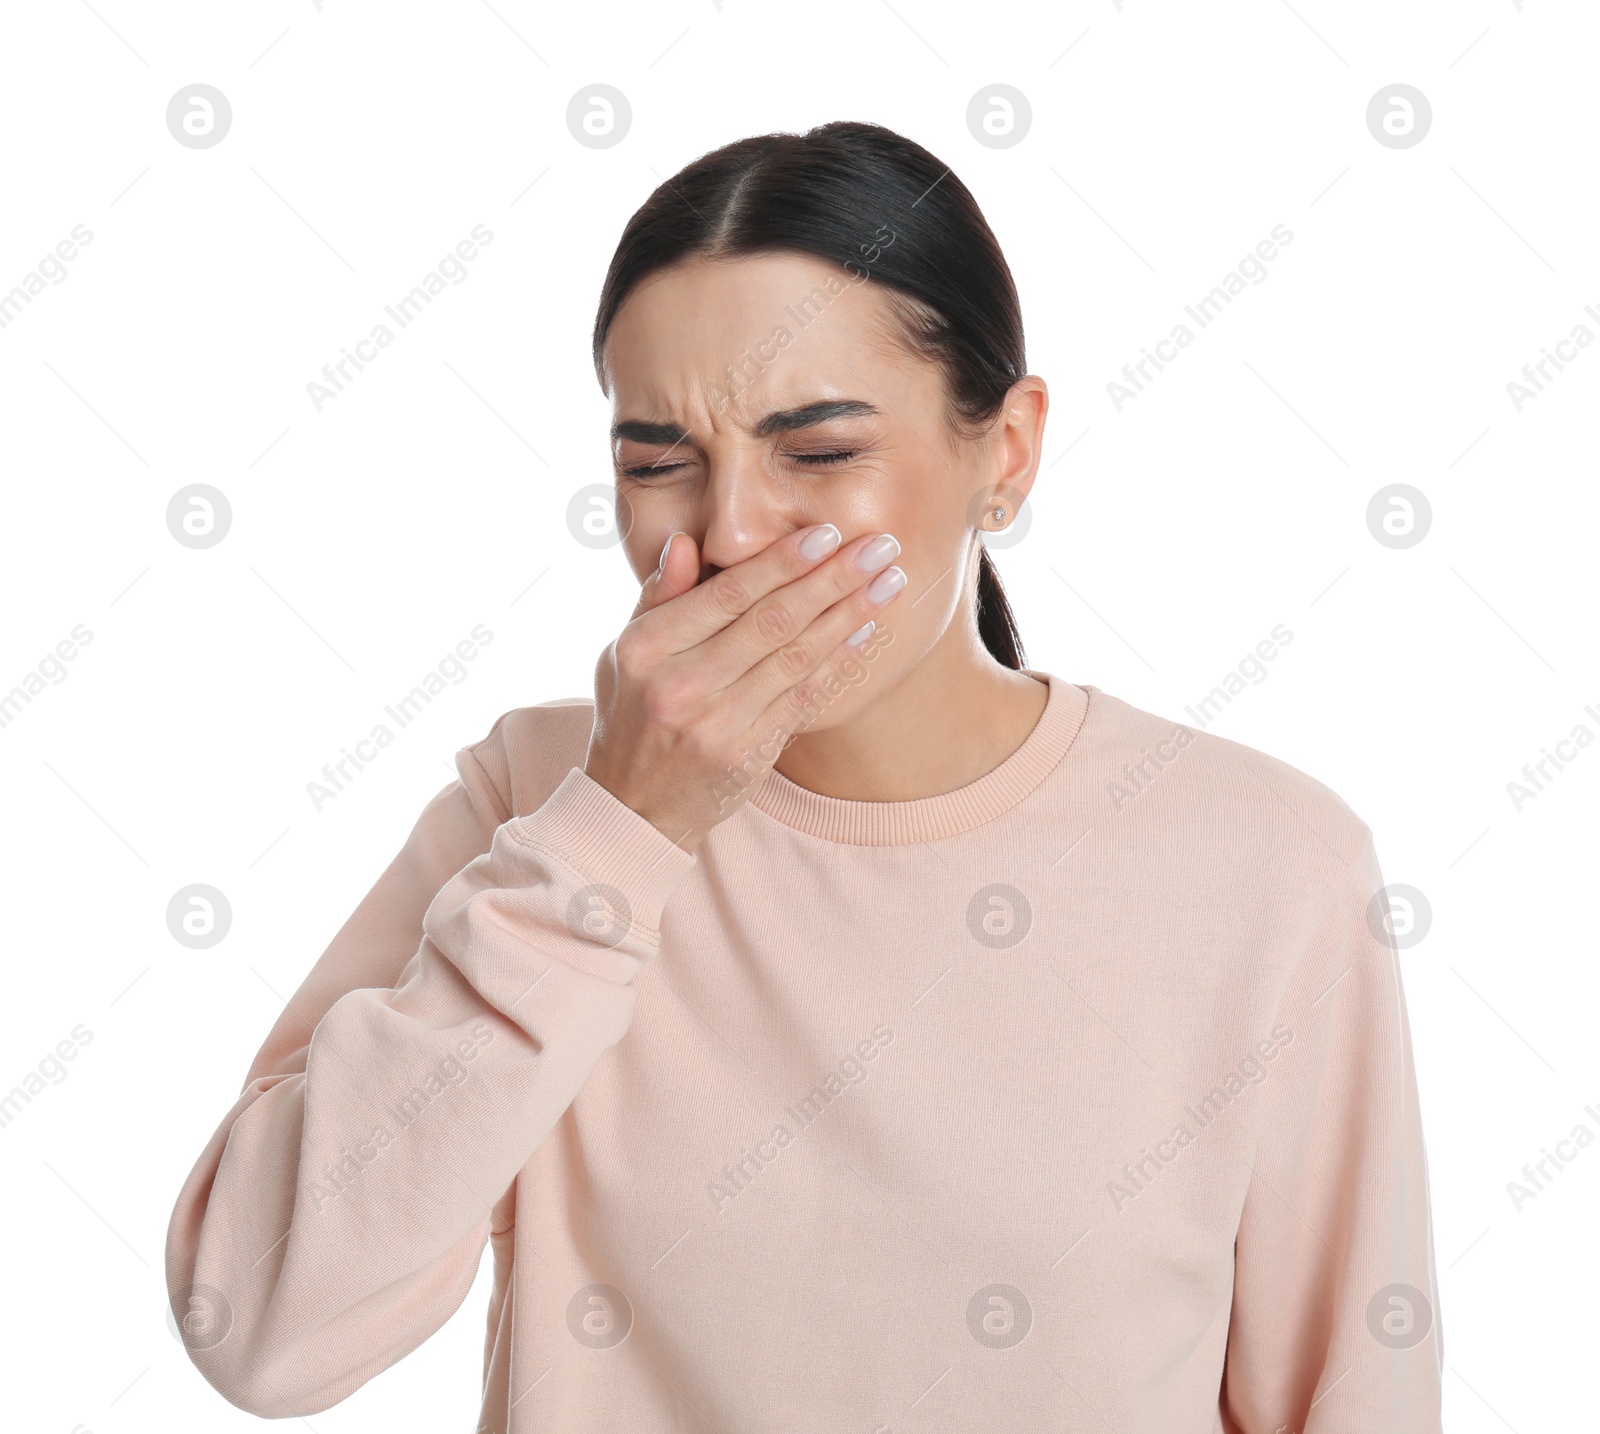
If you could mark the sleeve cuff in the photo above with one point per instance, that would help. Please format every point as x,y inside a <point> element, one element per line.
<point>608,843</point>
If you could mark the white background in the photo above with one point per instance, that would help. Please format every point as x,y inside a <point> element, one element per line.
<point>1167,539</point>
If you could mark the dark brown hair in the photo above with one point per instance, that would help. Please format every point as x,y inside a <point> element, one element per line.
<point>831,193</point>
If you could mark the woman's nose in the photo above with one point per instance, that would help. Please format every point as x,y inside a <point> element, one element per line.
<point>741,514</point>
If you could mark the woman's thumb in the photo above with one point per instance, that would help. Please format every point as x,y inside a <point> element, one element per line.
<point>674,575</point>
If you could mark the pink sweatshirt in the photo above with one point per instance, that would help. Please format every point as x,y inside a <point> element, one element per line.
<point>1080,1098</point>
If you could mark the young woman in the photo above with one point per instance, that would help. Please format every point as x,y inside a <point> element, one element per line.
<point>838,1024</point>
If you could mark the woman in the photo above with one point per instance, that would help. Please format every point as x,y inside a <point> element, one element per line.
<point>838,1024</point>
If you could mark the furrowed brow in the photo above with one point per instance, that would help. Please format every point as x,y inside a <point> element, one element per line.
<point>784,421</point>
<point>812,414</point>
<point>639,431</point>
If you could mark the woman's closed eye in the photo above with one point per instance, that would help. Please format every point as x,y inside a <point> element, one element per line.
<point>823,458</point>
<point>646,470</point>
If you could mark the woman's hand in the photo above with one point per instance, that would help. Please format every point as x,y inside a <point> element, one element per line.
<point>703,678</point>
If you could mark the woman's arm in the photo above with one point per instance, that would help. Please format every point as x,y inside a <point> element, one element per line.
<point>337,1217</point>
<point>1335,1321</point>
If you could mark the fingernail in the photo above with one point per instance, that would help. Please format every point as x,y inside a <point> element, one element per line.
<point>666,547</point>
<point>876,553</point>
<point>861,634</point>
<point>886,585</point>
<point>819,542</point>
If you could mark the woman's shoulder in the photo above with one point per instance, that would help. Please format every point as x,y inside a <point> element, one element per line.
<point>1178,769</point>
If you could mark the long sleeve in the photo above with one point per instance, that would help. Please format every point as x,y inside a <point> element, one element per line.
<point>1335,1321</point>
<point>337,1217</point>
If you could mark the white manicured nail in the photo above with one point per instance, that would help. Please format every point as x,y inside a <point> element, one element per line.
<point>861,634</point>
<point>666,548</point>
<point>878,552</point>
<point>819,542</point>
<point>886,585</point>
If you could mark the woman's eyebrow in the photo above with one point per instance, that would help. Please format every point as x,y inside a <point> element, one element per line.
<point>813,413</point>
<point>785,420</point>
<point>638,431</point>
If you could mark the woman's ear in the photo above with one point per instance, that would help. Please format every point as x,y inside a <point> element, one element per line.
<point>1015,443</point>
<point>1023,433</point>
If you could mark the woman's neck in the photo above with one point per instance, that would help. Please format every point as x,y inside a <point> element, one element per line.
<point>957,715</point>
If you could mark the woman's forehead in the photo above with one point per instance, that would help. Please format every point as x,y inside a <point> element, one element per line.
<point>794,326</point>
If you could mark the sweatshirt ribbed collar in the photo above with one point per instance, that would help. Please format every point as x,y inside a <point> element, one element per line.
<point>923,819</point>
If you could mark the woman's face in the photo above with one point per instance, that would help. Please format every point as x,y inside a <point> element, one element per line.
<point>756,396</point>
